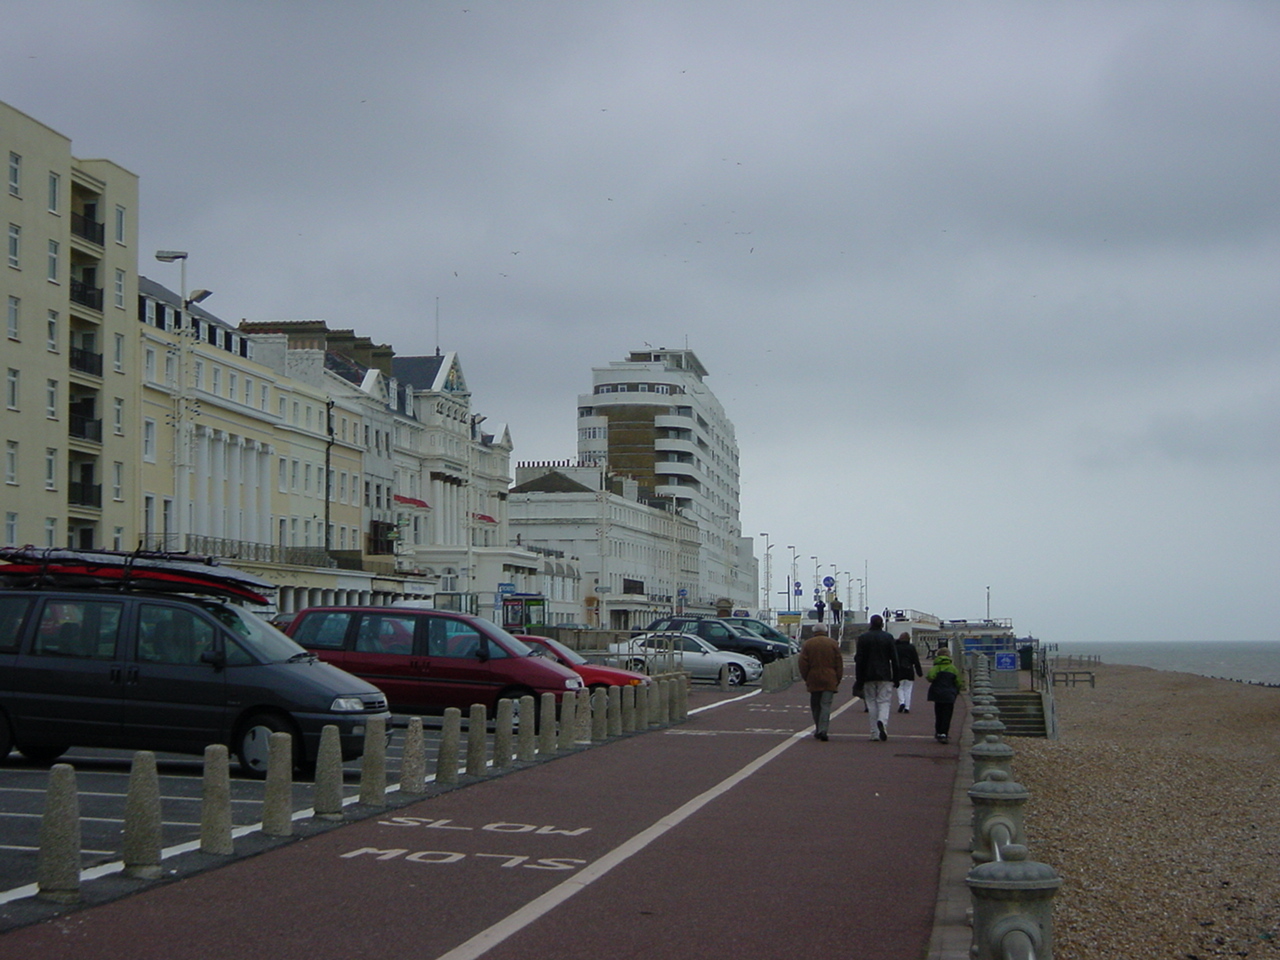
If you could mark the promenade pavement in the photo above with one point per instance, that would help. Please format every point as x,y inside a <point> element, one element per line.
<point>733,835</point>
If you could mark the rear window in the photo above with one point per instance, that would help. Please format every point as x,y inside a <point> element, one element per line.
<point>13,613</point>
<point>78,628</point>
<point>323,630</point>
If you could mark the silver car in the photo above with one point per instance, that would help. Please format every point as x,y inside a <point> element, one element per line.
<point>655,652</point>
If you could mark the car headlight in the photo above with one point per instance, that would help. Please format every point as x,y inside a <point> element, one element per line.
<point>572,683</point>
<point>347,705</point>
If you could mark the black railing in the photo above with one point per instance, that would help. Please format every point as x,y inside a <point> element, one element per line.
<point>86,294</point>
<point>86,361</point>
<point>85,428</point>
<point>87,229</point>
<point>85,494</point>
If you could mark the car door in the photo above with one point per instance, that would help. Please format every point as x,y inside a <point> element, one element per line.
<point>65,687</point>
<point>175,688</point>
<point>458,658</point>
<point>384,652</point>
<point>718,635</point>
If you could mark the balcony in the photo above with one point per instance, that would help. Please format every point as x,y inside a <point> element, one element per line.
<point>86,295</point>
<point>85,495</point>
<point>85,361</point>
<point>87,229</point>
<point>85,428</point>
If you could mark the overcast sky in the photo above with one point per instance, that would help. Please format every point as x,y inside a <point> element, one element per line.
<point>989,289</point>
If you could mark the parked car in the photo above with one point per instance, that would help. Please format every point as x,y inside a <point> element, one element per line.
<point>725,636</point>
<point>428,660</point>
<point>690,653</point>
<point>147,671</point>
<point>766,630</point>
<point>594,675</point>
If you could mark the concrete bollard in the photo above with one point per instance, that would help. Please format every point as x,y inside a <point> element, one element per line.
<point>447,754</point>
<point>1012,907</point>
<point>664,702</point>
<point>413,763</point>
<point>502,742</point>
<point>986,726</point>
<point>58,863</point>
<point>614,696</point>
<point>724,678</point>
<point>527,736</point>
<point>568,722</point>
<point>599,716</point>
<point>682,697</point>
<point>277,800</point>
<point>373,766</point>
<point>142,844</point>
<point>215,802</point>
<point>642,706</point>
<point>997,815</point>
<point>627,720</point>
<point>794,660</point>
<point>327,794</point>
<point>547,726</point>
<point>583,732</point>
<point>991,753</point>
<point>477,741</point>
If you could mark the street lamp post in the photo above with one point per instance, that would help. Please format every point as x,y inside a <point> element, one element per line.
<point>791,581</point>
<point>767,592</point>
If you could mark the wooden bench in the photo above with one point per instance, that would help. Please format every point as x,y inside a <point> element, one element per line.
<point>1072,677</point>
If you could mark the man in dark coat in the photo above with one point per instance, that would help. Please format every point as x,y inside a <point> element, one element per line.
<point>875,666</point>
<point>908,669</point>
<point>821,668</point>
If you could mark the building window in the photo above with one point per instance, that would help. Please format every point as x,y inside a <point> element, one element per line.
<point>282,402</point>
<point>51,331</point>
<point>149,365</point>
<point>15,244</point>
<point>55,191</point>
<point>11,462</point>
<point>11,317</point>
<point>119,288</point>
<point>170,369</point>
<point>117,415</point>
<point>281,471</point>
<point>199,374</point>
<point>11,385</point>
<point>119,224</point>
<point>342,487</point>
<point>51,399</point>
<point>149,441</point>
<point>217,381</point>
<point>233,386</point>
<point>117,357</point>
<point>15,175</point>
<point>306,478</point>
<point>117,539</point>
<point>50,468</point>
<point>10,529</point>
<point>117,481</point>
<point>53,261</point>
<point>248,391</point>
<point>50,531</point>
<point>266,396</point>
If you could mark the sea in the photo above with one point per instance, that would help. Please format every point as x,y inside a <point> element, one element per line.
<point>1250,661</point>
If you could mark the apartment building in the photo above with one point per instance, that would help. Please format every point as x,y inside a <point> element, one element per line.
<point>68,288</point>
<point>653,420</point>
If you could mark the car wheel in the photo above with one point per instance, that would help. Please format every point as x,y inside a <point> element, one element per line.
<point>6,738</point>
<point>637,665</point>
<point>757,656</point>
<point>253,745</point>
<point>43,753</point>
<point>737,675</point>
<point>514,696</point>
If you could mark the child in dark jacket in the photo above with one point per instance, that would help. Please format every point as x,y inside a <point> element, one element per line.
<point>945,684</point>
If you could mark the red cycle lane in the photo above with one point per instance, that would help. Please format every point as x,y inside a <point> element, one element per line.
<point>723,837</point>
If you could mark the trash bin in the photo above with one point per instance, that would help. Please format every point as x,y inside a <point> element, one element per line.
<point>1025,655</point>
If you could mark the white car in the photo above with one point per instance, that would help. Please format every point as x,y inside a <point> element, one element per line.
<point>655,652</point>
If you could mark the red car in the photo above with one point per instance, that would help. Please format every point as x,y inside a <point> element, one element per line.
<point>594,675</point>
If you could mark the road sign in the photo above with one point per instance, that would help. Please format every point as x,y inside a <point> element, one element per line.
<point>799,591</point>
<point>506,588</point>
<point>682,592</point>
<point>828,582</point>
<point>1006,661</point>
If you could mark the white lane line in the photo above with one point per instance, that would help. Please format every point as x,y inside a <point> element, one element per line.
<point>487,939</point>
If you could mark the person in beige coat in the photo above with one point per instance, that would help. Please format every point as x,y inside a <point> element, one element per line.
<point>822,668</point>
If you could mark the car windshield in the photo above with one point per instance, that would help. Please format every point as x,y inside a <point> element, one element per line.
<point>563,652</point>
<point>254,633</point>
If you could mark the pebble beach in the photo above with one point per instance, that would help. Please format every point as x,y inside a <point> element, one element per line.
<point>1159,805</point>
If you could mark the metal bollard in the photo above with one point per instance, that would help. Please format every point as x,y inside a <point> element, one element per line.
<point>547,726</point>
<point>142,819</point>
<point>614,696</point>
<point>991,753</point>
<point>447,753</point>
<point>277,802</point>
<point>58,863</point>
<point>373,766</point>
<point>997,815</point>
<point>413,763</point>
<point>502,724</point>
<point>599,716</point>
<point>215,802</point>
<point>526,736</point>
<point>477,741</point>
<point>1012,907</point>
<point>568,722</point>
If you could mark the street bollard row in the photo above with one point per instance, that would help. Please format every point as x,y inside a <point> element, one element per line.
<point>1012,894</point>
<point>521,734</point>
<point>780,674</point>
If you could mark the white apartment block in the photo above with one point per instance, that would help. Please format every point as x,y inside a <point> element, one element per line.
<point>67,289</point>
<point>652,419</point>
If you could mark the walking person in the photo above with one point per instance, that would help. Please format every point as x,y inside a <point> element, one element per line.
<point>908,669</point>
<point>875,673</point>
<point>945,684</point>
<point>822,669</point>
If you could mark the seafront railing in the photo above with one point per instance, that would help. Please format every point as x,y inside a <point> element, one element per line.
<point>1012,894</point>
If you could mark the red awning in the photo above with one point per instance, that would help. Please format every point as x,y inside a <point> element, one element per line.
<point>484,518</point>
<point>412,501</point>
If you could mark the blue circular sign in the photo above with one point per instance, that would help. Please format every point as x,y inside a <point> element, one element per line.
<point>828,582</point>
